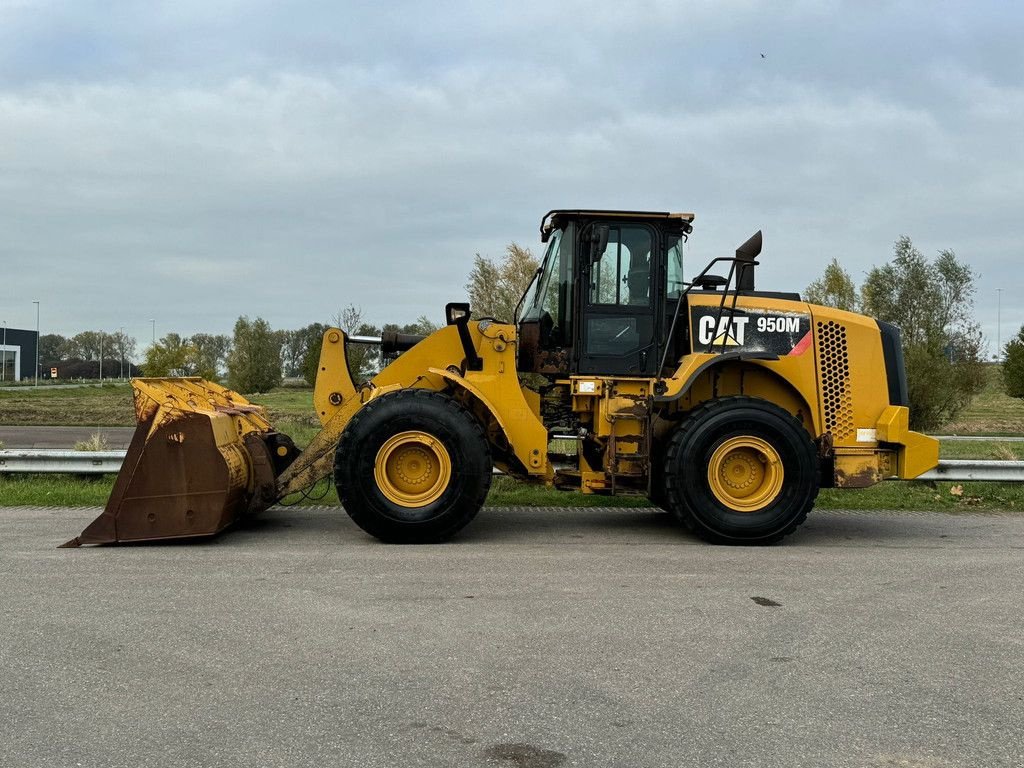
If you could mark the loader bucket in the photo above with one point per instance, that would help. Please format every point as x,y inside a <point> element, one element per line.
<point>201,458</point>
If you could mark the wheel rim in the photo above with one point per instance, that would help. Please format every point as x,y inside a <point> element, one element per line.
<point>745,474</point>
<point>412,469</point>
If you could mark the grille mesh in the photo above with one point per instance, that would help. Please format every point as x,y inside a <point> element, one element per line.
<point>835,379</point>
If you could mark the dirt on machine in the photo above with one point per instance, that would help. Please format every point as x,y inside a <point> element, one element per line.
<point>727,406</point>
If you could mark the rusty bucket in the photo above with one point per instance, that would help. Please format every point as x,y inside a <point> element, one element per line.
<point>201,458</point>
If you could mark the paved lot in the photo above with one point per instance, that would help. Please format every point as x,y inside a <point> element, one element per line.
<point>118,438</point>
<point>541,638</point>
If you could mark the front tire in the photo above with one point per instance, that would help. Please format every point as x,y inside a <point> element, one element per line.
<point>741,471</point>
<point>412,467</point>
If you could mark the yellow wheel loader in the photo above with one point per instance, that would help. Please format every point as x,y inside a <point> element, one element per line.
<point>726,406</point>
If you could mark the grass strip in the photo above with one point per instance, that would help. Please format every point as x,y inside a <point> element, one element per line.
<point>55,490</point>
<point>92,491</point>
<point>107,406</point>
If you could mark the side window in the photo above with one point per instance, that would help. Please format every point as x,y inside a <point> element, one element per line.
<point>674,267</point>
<point>550,280</point>
<point>623,273</point>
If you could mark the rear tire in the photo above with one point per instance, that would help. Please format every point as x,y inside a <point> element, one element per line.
<point>412,467</point>
<point>741,471</point>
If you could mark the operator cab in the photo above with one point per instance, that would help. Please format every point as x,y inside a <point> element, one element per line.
<point>604,296</point>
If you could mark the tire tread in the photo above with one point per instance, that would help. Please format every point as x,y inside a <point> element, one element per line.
<point>346,454</point>
<point>673,490</point>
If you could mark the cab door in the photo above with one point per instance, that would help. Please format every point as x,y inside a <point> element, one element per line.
<point>618,329</point>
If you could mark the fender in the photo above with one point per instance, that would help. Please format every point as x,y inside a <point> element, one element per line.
<point>526,433</point>
<point>703,362</point>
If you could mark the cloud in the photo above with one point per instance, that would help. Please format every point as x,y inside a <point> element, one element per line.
<point>208,161</point>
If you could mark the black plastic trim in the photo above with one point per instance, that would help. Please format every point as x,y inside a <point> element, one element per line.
<point>895,369</point>
<point>457,314</point>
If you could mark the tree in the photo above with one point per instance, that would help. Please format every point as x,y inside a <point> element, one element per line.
<point>169,357</point>
<point>495,289</point>
<point>932,303</point>
<point>85,345</point>
<point>1013,365</point>
<point>363,359</point>
<point>306,355</point>
<point>202,355</point>
<point>208,354</point>
<point>52,348</point>
<point>254,364</point>
<point>423,326</point>
<point>292,353</point>
<point>120,347</point>
<point>835,288</point>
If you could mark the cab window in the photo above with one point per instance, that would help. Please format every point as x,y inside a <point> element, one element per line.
<point>622,275</point>
<point>674,267</point>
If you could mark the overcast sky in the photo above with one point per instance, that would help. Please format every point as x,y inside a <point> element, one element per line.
<point>193,161</point>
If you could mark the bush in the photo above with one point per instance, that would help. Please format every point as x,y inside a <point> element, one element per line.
<point>254,364</point>
<point>96,442</point>
<point>932,303</point>
<point>1013,365</point>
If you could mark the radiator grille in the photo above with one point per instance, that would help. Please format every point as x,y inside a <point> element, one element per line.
<point>835,379</point>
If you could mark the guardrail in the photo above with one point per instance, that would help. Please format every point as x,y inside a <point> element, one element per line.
<point>977,469</point>
<point>982,438</point>
<point>52,460</point>
<point>109,462</point>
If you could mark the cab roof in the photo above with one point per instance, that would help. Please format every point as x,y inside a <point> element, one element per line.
<point>547,223</point>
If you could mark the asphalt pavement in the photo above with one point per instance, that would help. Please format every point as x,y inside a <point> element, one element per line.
<point>539,638</point>
<point>117,438</point>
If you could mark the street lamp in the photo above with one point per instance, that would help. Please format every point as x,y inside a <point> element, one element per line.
<point>37,342</point>
<point>3,355</point>
<point>153,323</point>
<point>120,351</point>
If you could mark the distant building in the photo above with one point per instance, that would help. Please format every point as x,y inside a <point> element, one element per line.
<point>18,354</point>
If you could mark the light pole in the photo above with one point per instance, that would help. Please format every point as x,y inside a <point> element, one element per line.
<point>999,324</point>
<point>120,351</point>
<point>153,323</point>
<point>3,355</point>
<point>37,342</point>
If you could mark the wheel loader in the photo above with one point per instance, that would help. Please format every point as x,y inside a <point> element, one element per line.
<point>726,406</point>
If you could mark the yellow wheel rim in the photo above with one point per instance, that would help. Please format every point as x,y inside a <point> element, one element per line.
<point>745,474</point>
<point>412,469</point>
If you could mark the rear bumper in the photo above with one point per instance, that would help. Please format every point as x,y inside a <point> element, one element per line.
<point>915,453</point>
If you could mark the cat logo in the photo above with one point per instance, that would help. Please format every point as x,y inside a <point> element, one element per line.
<point>729,333</point>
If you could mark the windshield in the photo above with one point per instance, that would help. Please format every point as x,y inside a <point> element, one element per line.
<point>538,298</point>
<point>549,294</point>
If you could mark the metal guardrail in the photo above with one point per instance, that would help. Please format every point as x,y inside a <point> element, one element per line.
<point>109,462</point>
<point>52,460</point>
<point>983,438</point>
<point>977,469</point>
